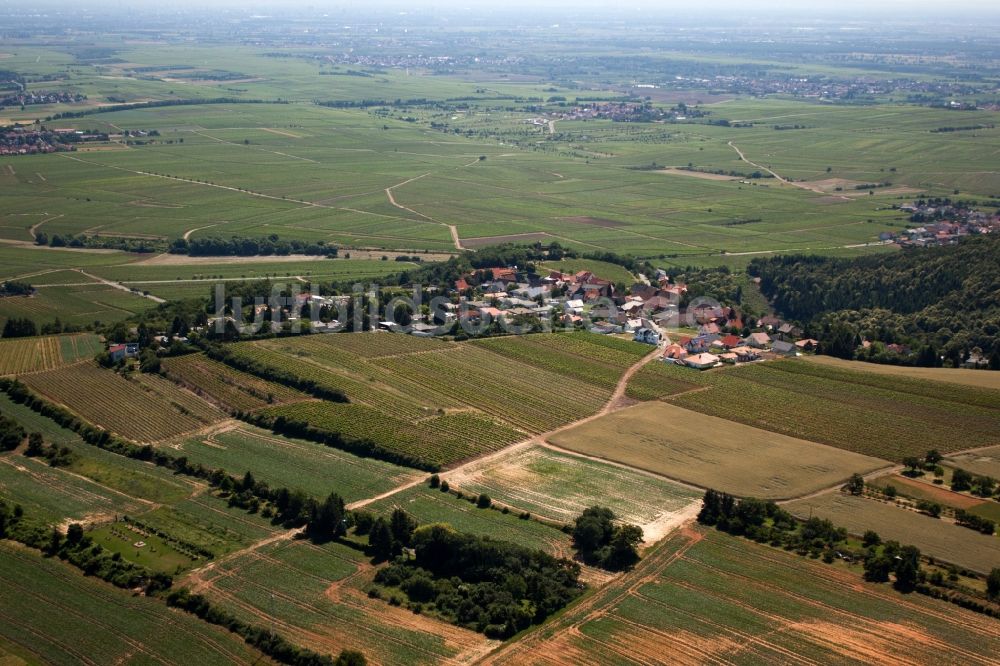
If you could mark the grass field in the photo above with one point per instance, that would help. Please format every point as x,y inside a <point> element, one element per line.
<point>706,597</point>
<point>82,305</point>
<point>290,463</point>
<point>429,505</point>
<point>88,621</point>
<point>879,415</point>
<point>933,536</point>
<point>144,408</point>
<point>559,487</point>
<point>312,595</point>
<point>55,495</point>
<point>711,452</point>
<point>21,355</point>
<point>602,269</point>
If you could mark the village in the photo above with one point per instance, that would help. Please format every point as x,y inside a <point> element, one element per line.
<point>508,300</point>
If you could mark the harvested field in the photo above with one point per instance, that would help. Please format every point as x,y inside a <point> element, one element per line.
<point>146,408</point>
<point>879,415</point>
<point>984,461</point>
<point>711,452</point>
<point>707,597</point>
<point>696,174</point>
<point>559,487</point>
<point>933,536</point>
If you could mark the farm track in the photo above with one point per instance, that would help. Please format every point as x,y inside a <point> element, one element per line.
<point>392,200</point>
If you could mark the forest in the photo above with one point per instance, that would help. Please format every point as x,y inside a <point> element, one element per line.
<point>933,305</point>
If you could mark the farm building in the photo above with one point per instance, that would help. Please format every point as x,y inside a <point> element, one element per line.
<point>783,348</point>
<point>758,340</point>
<point>702,361</point>
<point>648,336</point>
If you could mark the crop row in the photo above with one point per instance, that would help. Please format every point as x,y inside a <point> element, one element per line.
<point>565,355</point>
<point>381,397</point>
<point>226,386</point>
<point>875,427</point>
<point>441,440</point>
<point>531,398</point>
<point>148,410</point>
<point>21,355</point>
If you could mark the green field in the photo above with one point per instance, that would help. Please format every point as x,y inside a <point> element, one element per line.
<point>933,536</point>
<point>711,452</point>
<point>89,621</point>
<point>704,596</point>
<point>312,595</point>
<point>429,505</point>
<point>870,413</point>
<point>444,402</point>
<point>296,464</point>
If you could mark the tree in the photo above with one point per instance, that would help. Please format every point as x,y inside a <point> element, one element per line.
<point>380,540</point>
<point>19,328</point>
<point>484,501</point>
<point>961,480</point>
<point>877,567</point>
<point>913,465</point>
<point>870,538</point>
<point>327,520</point>
<point>623,550</point>
<point>907,568</point>
<point>350,658</point>
<point>435,481</point>
<point>401,525</point>
<point>35,445</point>
<point>933,457</point>
<point>856,485</point>
<point>993,584</point>
<point>74,535</point>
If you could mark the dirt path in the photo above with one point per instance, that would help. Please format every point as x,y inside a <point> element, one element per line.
<point>196,577</point>
<point>117,285</point>
<point>779,178</point>
<point>451,227</point>
<point>538,440</point>
<point>187,234</point>
<point>34,227</point>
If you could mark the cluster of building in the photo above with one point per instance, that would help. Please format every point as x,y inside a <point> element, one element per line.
<point>40,97</point>
<point>825,88</point>
<point>28,141</point>
<point>622,112</point>
<point>942,224</point>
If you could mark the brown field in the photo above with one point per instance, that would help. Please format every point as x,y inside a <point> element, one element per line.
<point>706,597</point>
<point>711,452</point>
<point>933,536</point>
<point>984,461</point>
<point>674,171</point>
<point>965,376</point>
<point>922,490</point>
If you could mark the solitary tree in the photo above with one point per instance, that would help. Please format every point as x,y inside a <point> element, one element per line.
<point>856,485</point>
